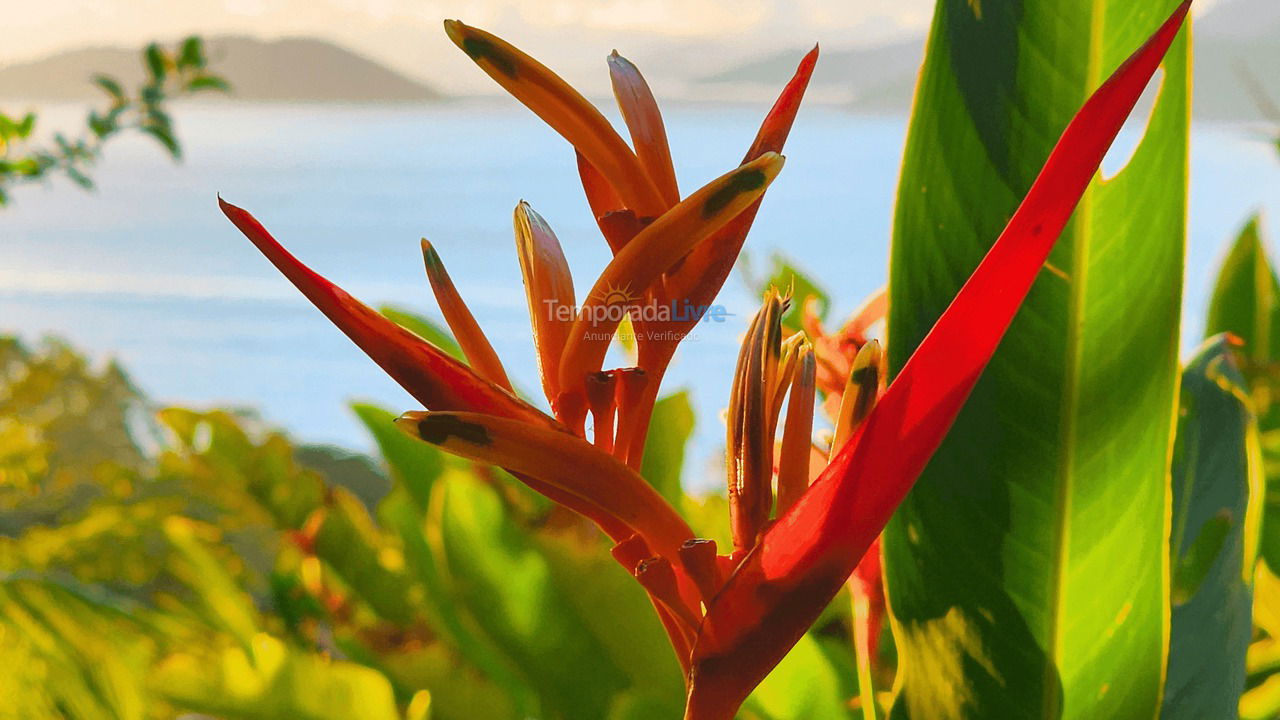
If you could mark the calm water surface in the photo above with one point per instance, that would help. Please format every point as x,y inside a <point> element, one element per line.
<point>147,269</point>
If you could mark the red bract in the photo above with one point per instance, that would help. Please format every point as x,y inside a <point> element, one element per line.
<point>730,617</point>
<point>800,563</point>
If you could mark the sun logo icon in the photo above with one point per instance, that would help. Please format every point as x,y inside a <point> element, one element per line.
<point>615,295</point>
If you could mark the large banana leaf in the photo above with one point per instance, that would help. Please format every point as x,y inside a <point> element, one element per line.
<point>1027,571</point>
<point>1217,482</point>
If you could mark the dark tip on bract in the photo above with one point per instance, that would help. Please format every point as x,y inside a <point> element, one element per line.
<point>437,429</point>
<point>430,256</point>
<point>478,49</point>
<point>743,181</point>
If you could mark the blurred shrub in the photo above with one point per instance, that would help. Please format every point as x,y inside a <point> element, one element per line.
<point>159,561</point>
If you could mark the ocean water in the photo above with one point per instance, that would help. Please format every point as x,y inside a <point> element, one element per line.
<point>147,270</point>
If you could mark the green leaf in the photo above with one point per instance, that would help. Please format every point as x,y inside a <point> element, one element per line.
<point>618,613</point>
<point>806,684</point>
<point>221,601</point>
<point>447,617</point>
<point>100,125</point>
<point>415,465</point>
<point>26,126</point>
<point>669,432</point>
<point>510,589</point>
<point>348,542</point>
<point>1246,303</point>
<point>1246,299</point>
<point>157,63</point>
<point>1025,570</point>
<point>784,275</point>
<point>208,82</point>
<point>1217,483</point>
<point>424,328</point>
<point>164,135</point>
<point>112,87</point>
<point>191,54</point>
<point>79,178</point>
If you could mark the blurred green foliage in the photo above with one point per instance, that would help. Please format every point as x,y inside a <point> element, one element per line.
<point>171,73</point>
<point>161,561</point>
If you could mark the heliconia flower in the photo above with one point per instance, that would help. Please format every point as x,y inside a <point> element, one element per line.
<point>653,232</point>
<point>621,198</point>
<point>730,616</point>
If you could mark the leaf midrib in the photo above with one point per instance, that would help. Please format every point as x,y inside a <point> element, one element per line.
<point>1053,701</point>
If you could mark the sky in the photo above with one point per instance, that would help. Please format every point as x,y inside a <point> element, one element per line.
<point>665,37</point>
<point>571,35</point>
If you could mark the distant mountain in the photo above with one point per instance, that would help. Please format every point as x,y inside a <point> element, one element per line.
<point>880,77</point>
<point>292,69</point>
<point>1237,49</point>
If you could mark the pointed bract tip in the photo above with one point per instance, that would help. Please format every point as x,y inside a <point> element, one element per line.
<point>430,257</point>
<point>408,421</point>
<point>770,163</point>
<point>456,31</point>
<point>618,60</point>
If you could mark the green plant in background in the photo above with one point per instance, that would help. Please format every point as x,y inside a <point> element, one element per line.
<point>171,73</point>
<point>1246,305</point>
<point>214,572</point>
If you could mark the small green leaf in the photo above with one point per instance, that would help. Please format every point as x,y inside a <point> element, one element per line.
<point>191,54</point>
<point>111,86</point>
<point>100,125</point>
<point>152,96</point>
<point>208,82</point>
<point>785,276</point>
<point>424,328</point>
<point>32,166</point>
<point>165,137</point>
<point>27,125</point>
<point>413,464</point>
<point>157,63</point>
<point>79,178</point>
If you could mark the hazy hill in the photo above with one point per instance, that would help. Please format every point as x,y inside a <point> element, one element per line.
<point>866,76</point>
<point>293,69</point>
<point>1236,38</point>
